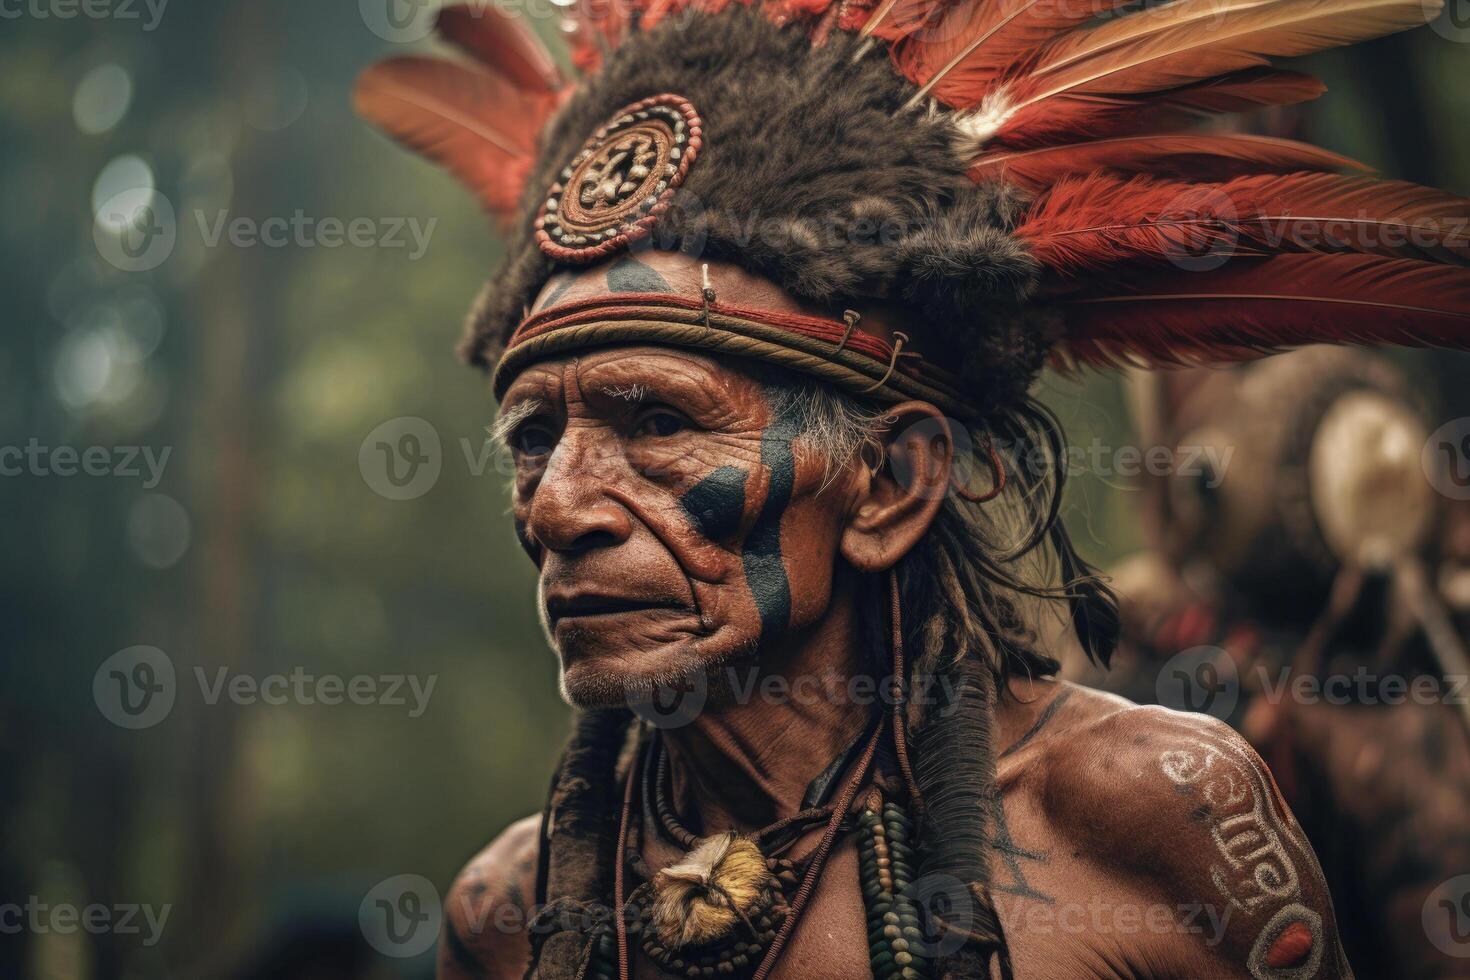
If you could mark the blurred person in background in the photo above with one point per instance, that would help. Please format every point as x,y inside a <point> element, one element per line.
<point>1306,583</point>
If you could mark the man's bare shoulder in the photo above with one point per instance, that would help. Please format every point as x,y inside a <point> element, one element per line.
<point>489,906</point>
<point>1180,808</point>
<point>1090,745</point>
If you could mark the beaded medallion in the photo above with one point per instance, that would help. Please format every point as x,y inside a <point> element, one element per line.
<point>622,179</point>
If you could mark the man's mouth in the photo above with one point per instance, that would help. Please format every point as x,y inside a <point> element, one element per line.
<point>582,606</point>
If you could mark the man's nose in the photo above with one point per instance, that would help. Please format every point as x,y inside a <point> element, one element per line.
<point>570,510</point>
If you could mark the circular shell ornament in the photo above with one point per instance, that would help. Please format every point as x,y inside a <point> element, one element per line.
<point>611,193</point>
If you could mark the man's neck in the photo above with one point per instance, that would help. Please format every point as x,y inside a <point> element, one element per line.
<point>748,761</point>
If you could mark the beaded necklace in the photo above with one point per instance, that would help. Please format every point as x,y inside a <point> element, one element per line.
<point>710,918</point>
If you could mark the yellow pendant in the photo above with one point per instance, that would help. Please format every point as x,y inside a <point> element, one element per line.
<point>704,896</point>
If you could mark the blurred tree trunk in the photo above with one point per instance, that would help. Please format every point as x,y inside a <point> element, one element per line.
<point>231,312</point>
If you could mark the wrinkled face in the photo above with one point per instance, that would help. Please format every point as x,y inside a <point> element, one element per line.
<point>676,521</point>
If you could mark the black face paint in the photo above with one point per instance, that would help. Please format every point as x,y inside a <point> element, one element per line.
<point>764,571</point>
<point>716,504</point>
<point>628,275</point>
<point>567,278</point>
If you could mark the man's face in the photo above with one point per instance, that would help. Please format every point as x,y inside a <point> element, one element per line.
<point>675,519</point>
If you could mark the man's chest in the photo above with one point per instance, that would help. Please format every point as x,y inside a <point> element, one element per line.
<point>1067,915</point>
<point>830,941</point>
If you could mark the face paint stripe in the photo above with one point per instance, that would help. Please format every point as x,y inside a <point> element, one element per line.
<point>716,504</point>
<point>628,275</point>
<point>765,572</point>
<point>557,293</point>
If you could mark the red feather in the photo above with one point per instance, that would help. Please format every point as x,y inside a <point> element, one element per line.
<point>597,27</point>
<point>1197,156</point>
<point>474,122</point>
<point>1083,226</point>
<point>957,56</point>
<point>893,20</point>
<point>502,42</point>
<point>1334,213</point>
<point>1103,222</point>
<point>1070,119</point>
<point>1253,307</point>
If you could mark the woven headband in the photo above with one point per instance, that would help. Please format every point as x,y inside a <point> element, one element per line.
<point>838,352</point>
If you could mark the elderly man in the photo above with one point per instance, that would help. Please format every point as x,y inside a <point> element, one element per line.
<point>780,278</point>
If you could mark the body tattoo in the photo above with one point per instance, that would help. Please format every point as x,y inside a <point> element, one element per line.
<point>1253,841</point>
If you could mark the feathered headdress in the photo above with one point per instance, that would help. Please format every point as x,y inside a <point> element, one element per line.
<point>918,198</point>
<point>1018,178</point>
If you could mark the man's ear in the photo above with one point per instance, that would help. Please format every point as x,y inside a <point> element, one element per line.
<point>901,495</point>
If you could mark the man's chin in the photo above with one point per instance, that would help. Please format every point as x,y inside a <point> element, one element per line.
<point>629,679</point>
<point>598,682</point>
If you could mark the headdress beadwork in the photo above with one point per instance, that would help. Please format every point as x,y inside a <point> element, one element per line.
<point>622,179</point>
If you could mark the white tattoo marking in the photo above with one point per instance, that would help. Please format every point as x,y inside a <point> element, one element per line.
<point>1246,828</point>
<point>632,393</point>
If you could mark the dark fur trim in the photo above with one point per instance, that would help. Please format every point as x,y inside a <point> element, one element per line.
<point>580,844</point>
<point>812,176</point>
<point>955,771</point>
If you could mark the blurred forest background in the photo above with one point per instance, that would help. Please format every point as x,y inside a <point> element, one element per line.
<point>264,546</point>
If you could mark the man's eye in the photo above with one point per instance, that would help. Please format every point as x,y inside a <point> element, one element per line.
<point>533,440</point>
<point>660,422</point>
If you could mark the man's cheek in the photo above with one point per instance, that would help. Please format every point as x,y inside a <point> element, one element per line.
<point>729,620</point>
<point>810,554</point>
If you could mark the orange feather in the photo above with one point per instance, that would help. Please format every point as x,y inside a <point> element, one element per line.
<point>502,42</point>
<point>1181,42</point>
<point>1072,118</point>
<point>474,122</point>
<point>972,42</point>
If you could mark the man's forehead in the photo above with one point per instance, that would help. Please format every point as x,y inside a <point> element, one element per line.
<point>643,372</point>
<point>651,272</point>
